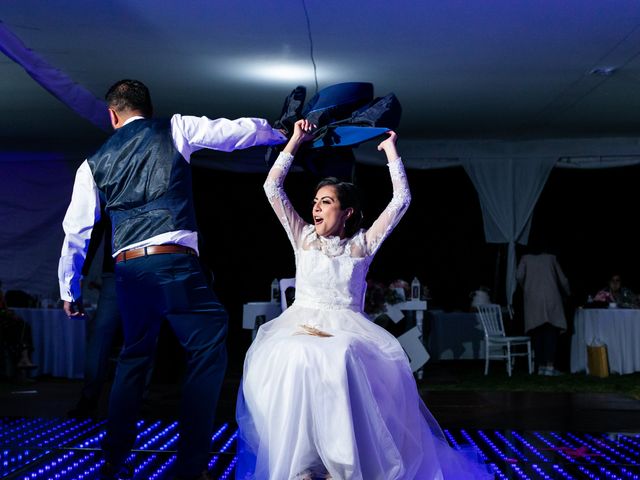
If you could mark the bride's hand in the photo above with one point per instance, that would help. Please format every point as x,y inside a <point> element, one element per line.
<point>389,142</point>
<point>303,130</point>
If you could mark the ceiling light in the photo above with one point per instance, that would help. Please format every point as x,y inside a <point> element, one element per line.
<point>603,71</point>
<point>280,72</point>
<point>275,71</point>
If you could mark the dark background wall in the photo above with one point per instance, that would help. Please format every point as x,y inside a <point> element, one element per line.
<point>586,217</point>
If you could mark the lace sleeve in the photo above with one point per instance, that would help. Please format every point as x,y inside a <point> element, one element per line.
<point>274,188</point>
<point>391,215</point>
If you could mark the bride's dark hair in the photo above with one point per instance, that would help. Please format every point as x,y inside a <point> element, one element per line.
<point>349,197</point>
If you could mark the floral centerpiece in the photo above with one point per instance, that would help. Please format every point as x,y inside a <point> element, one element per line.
<point>379,295</point>
<point>604,296</point>
<point>623,298</point>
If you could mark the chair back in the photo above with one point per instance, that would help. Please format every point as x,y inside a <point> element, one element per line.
<point>491,318</point>
<point>284,284</point>
<point>411,342</point>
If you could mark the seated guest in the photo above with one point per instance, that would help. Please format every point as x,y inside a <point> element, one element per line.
<point>623,297</point>
<point>103,327</point>
<point>15,338</point>
<point>20,299</point>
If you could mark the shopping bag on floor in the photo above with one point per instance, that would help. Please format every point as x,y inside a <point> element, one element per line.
<point>597,360</point>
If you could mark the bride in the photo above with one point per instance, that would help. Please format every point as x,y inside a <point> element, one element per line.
<point>326,393</point>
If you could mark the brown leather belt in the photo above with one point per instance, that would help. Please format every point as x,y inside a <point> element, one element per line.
<point>153,250</point>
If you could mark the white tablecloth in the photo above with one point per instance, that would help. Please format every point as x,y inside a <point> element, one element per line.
<point>454,335</point>
<point>618,329</point>
<point>58,341</point>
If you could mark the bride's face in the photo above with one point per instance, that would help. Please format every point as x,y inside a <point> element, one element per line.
<point>328,217</point>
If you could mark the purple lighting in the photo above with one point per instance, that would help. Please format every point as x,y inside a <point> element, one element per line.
<point>38,448</point>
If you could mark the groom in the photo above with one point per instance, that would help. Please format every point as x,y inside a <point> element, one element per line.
<point>143,175</point>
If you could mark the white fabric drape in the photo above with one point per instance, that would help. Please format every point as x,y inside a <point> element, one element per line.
<point>585,152</point>
<point>509,176</point>
<point>508,190</point>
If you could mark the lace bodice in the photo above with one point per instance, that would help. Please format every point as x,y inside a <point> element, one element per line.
<point>331,272</point>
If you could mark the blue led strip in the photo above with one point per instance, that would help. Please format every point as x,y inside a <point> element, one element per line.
<point>230,470</point>
<point>217,437</point>
<point>520,455</point>
<point>530,470</point>
<point>583,468</point>
<point>14,460</point>
<point>560,472</point>
<point>223,449</point>
<point>495,451</point>
<point>162,468</point>
<point>46,435</point>
<point>157,439</point>
<point>541,470</point>
<point>616,450</point>
<point>22,435</point>
<point>10,429</point>
<point>532,449</point>
<point>63,466</point>
<point>469,440</point>
<point>629,444</point>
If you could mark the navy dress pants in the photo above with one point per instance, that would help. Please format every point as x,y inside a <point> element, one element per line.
<point>151,289</point>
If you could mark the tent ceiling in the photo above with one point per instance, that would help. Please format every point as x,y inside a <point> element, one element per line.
<point>461,68</point>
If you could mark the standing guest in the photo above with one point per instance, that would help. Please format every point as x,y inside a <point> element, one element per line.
<point>102,327</point>
<point>143,175</point>
<point>326,393</point>
<point>16,343</point>
<point>543,283</point>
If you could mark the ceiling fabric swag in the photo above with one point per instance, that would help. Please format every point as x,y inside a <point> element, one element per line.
<point>56,82</point>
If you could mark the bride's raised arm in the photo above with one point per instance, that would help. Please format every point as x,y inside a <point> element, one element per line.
<point>274,184</point>
<point>391,215</point>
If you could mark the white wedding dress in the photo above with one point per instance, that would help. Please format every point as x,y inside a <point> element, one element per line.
<point>344,405</point>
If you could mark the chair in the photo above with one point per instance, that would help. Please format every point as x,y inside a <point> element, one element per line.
<point>411,342</point>
<point>497,344</point>
<point>285,283</point>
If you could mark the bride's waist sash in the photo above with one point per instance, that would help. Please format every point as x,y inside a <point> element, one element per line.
<point>307,302</point>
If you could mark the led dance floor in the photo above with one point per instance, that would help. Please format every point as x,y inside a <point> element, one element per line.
<point>54,448</point>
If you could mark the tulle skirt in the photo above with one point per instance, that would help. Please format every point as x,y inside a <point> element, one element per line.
<point>344,406</point>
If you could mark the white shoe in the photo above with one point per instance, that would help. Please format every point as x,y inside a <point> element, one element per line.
<point>549,372</point>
